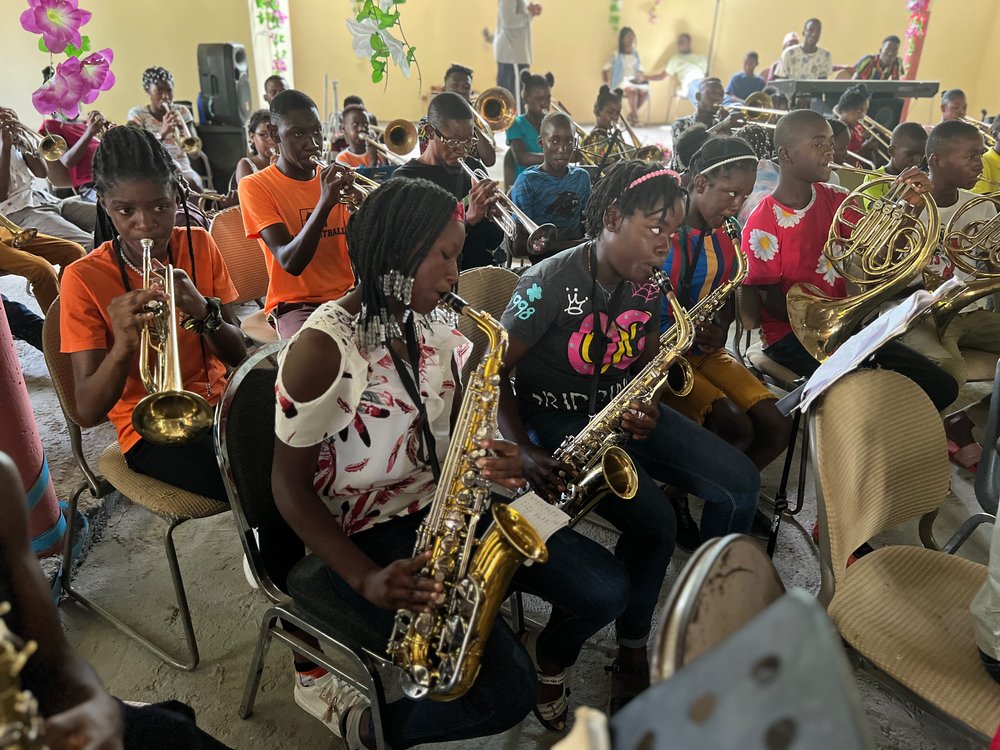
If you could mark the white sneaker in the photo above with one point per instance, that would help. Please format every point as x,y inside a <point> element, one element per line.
<point>338,705</point>
<point>248,573</point>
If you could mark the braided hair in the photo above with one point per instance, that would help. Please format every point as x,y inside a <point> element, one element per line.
<point>153,76</point>
<point>261,115</point>
<point>607,95</point>
<point>720,156</point>
<point>129,153</point>
<point>387,240</point>
<point>853,99</point>
<point>531,81</point>
<point>616,187</point>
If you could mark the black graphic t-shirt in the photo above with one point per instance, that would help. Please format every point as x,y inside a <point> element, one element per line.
<point>551,311</point>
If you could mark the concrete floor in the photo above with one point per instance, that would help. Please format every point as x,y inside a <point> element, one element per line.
<point>125,570</point>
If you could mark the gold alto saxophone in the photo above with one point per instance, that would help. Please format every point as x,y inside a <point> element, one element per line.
<point>439,652</point>
<point>21,727</point>
<point>600,465</point>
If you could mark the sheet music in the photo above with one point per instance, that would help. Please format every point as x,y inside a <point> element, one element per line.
<point>547,519</point>
<point>865,342</point>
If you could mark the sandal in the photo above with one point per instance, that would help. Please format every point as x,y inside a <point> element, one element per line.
<point>550,714</point>
<point>966,456</point>
<point>625,685</point>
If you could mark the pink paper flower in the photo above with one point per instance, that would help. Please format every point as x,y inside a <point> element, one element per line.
<point>58,21</point>
<point>63,91</point>
<point>96,71</point>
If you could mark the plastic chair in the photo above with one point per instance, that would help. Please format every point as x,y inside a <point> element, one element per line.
<point>173,505</point>
<point>726,583</point>
<point>488,288</point>
<point>298,586</point>
<point>245,262</point>
<point>879,457</point>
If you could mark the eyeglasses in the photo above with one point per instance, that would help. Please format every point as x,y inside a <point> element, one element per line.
<point>455,144</point>
<point>262,133</point>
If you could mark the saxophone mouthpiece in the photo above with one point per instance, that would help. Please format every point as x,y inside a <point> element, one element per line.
<point>453,301</point>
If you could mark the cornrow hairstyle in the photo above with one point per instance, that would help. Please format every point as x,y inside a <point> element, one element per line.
<point>457,69</point>
<point>945,134</point>
<point>853,99</point>
<point>152,76</point>
<point>261,115</point>
<point>721,155</point>
<point>288,101</point>
<point>605,96</point>
<point>530,81</point>
<point>689,142</point>
<point>129,153</point>
<point>393,231</point>
<point>613,188</point>
<point>625,31</point>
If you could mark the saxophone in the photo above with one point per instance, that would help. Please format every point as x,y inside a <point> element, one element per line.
<point>21,728</point>
<point>598,462</point>
<point>706,308</point>
<point>439,652</point>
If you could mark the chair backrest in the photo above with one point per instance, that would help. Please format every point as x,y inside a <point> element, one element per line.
<point>879,456</point>
<point>748,308</point>
<point>244,257</point>
<point>244,439</point>
<point>509,170</point>
<point>488,288</point>
<point>724,585</point>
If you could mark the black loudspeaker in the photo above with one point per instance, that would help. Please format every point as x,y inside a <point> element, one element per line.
<point>225,83</point>
<point>224,145</point>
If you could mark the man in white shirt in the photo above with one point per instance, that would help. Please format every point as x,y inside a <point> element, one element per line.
<point>806,61</point>
<point>689,67</point>
<point>512,42</point>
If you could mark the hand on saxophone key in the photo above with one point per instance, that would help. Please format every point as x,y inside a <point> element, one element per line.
<point>709,337</point>
<point>640,419</point>
<point>545,474</point>
<point>504,467</point>
<point>399,585</point>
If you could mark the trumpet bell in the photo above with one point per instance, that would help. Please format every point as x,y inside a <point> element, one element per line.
<point>400,136</point>
<point>191,144</point>
<point>172,417</point>
<point>497,107</point>
<point>648,154</point>
<point>52,147</point>
<point>540,239</point>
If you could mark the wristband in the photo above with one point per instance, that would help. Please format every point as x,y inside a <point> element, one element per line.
<point>213,318</point>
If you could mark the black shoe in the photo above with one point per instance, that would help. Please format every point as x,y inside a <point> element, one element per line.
<point>688,536</point>
<point>991,665</point>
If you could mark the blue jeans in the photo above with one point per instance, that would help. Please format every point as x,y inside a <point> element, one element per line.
<point>682,454</point>
<point>24,323</point>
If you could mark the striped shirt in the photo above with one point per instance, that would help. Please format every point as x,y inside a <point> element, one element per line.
<point>870,68</point>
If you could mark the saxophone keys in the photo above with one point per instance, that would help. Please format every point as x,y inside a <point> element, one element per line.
<point>424,624</point>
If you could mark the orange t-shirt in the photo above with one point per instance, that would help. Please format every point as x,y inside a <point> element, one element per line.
<point>90,284</point>
<point>350,159</point>
<point>268,198</point>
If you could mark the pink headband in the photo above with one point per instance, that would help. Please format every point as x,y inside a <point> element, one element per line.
<point>459,212</point>
<point>651,175</point>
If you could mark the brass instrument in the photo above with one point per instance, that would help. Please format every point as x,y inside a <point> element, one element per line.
<point>758,109</point>
<point>439,652</point>
<point>878,244</point>
<point>605,147</point>
<point>19,237</point>
<point>880,133</point>
<point>974,248</point>
<point>49,147</point>
<point>169,415</point>
<point>648,154</point>
<point>399,138</point>
<point>985,129</point>
<point>189,144</point>
<point>21,725</point>
<point>599,464</point>
<point>859,158</point>
<point>364,185</point>
<point>494,110</point>
<point>506,214</point>
<point>207,196</point>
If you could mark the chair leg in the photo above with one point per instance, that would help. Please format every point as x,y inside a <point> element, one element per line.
<point>517,612</point>
<point>781,496</point>
<point>257,665</point>
<point>191,662</point>
<point>926,531</point>
<point>803,471</point>
<point>965,531</point>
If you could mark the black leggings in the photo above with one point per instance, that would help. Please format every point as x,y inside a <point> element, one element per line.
<point>190,466</point>
<point>165,726</point>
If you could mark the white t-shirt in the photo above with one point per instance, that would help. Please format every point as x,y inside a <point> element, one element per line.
<point>940,264</point>
<point>512,42</point>
<point>22,193</point>
<point>801,65</point>
<point>687,67</point>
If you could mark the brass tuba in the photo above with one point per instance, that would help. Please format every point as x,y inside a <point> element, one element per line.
<point>439,652</point>
<point>494,109</point>
<point>21,725</point>
<point>169,415</point>
<point>877,244</point>
<point>398,138</point>
<point>975,250</point>
<point>19,237</point>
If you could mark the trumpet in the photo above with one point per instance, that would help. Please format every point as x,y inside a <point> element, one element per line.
<point>364,185</point>
<point>880,133</point>
<point>169,415</point>
<point>494,109</point>
<point>398,139</point>
<point>982,127</point>
<point>506,214</point>
<point>49,147</point>
<point>19,237</point>
<point>758,109</point>
<point>189,144</point>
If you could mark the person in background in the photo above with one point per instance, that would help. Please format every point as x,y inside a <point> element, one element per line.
<point>512,43</point>
<point>625,72</point>
<point>990,182</point>
<point>806,60</point>
<point>886,65</point>
<point>689,68</point>
<point>841,146</point>
<point>263,146</point>
<point>274,85</point>
<point>523,135</point>
<point>607,113</point>
<point>458,80</point>
<point>906,150</point>
<point>708,99</point>
<point>851,109</point>
<point>954,105</point>
<point>770,73</point>
<point>359,152</point>
<point>985,610</point>
<point>554,192</point>
<point>165,120</point>
<point>744,83</point>
<point>24,323</point>
<point>82,140</point>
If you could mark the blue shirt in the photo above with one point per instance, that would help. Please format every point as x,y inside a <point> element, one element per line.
<point>553,200</point>
<point>741,85</point>
<point>522,130</point>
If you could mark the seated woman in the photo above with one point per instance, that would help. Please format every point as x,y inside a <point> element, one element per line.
<point>104,308</point>
<point>356,466</point>
<point>851,109</point>
<point>625,72</point>
<point>263,146</point>
<point>523,134</point>
<point>164,120</point>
